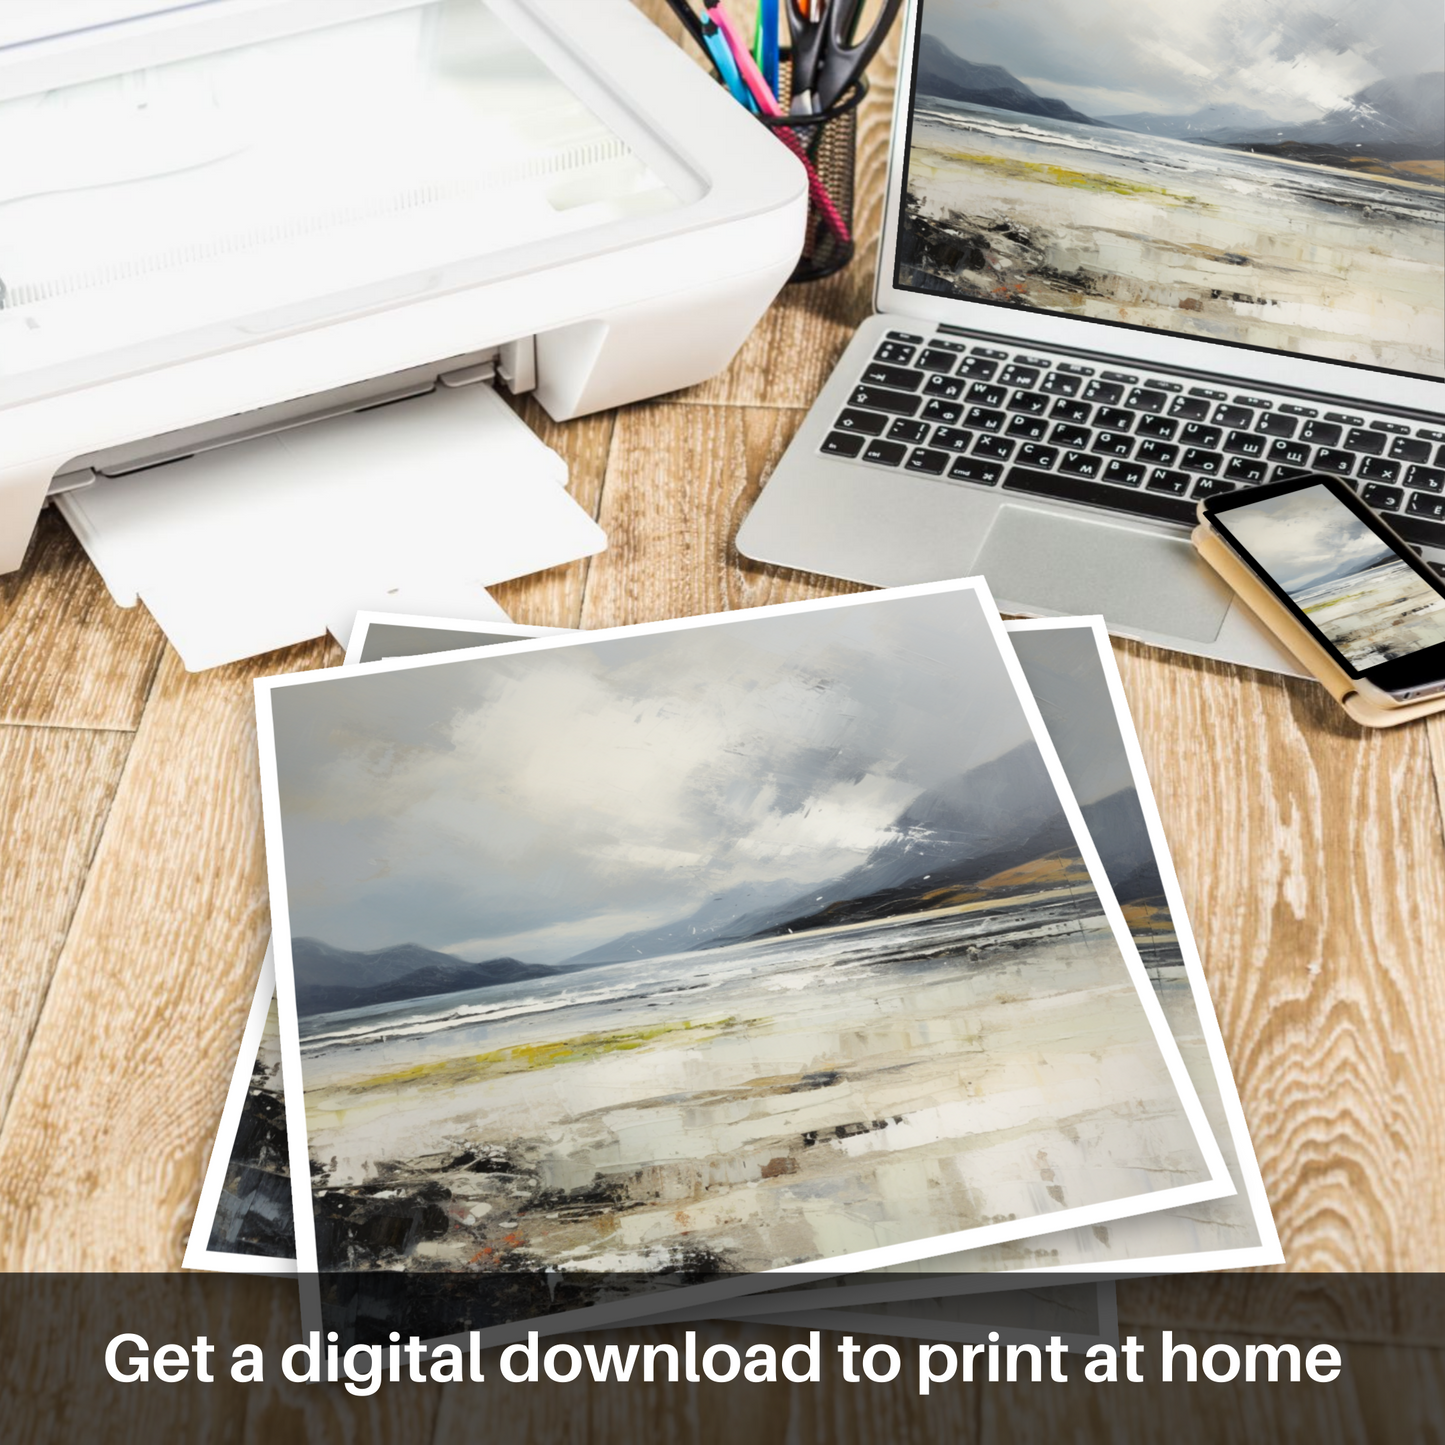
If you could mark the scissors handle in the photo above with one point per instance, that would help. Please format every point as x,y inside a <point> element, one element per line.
<point>843,57</point>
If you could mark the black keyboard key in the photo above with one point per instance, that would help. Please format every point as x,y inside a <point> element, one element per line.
<point>877,374</point>
<point>1321,433</point>
<point>1060,383</point>
<point>983,419</point>
<point>886,454</point>
<point>1162,385</point>
<point>990,352</point>
<point>895,353</point>
<point>1032,456</point>
<point>1038,361</point>
<point>1424,504</point>
<point>1377,469</point>
<point>1112,444</point>
<point>1245,469</point>
<point>1405,449</point>
<point>1272,424</point>
<point>1156,454</point>
<point>1253,401</point>
<point>905,336</point>
<point>972,469</point>
<point>954,438</point>
<point>1233,416</point>
<point>867,422</point>
<point>1081,464</point>
<point>1382,499</point>
<point>1344,418</point>
<point>932,463</point>
<point>1084,370</point>
<point>1107,392</point>
<point>957,347</point>
<point>1176,483</point>
<point>1440,457</point>
<point>937,410</point>
<point>1427,479</point>
<point>935,360</point>
<point>995,447</point>
<point>1207,394</point>
<point>1075,411</point>
<point>1099,494</point>
<point>1297,410</point>
<point>905,430</point>
<point>1430,435</point>
<point>1328,459</point>
<point>948,387</point>
<point>1071,436</point>
<point>1124,474</point>
<point>843,444</point>
<point>1157,426</point>
<point>1189,408</point>
<point>1142,398</point>
<point>1291,454</point>
<point>1199,460</point>
<point>1211,487</point>
<point>1035,403</point>
<point>1372,443</point>
<point>1032,428</point>
<point>1420,530</point>
<point>1245,444</point>
<point>1113,418</point>
<point>877,398</point>
<point>1195,435</point>
<point>1020,375</point>
<point>1126,377</point>
<point>981,394</point>
<point>976,368</point>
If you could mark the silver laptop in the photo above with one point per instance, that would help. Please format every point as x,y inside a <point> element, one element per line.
<point>1133,254</point>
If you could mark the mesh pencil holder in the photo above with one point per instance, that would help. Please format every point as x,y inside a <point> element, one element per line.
<point>827,145</point>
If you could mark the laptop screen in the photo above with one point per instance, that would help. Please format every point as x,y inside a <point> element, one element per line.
<point>1266,175</point>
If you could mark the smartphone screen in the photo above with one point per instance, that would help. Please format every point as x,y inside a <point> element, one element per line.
<point>1355,585</point>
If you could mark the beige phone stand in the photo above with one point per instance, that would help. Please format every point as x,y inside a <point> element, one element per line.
<point>1296,638</point>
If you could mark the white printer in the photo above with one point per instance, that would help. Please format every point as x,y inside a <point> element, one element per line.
<point>223,220</point>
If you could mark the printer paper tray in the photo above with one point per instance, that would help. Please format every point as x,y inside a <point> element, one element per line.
<point>417,506</point>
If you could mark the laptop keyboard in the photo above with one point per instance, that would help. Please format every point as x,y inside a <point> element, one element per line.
<point>1139,444</point>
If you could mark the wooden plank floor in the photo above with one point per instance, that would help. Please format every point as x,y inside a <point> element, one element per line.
<point>133,907</point>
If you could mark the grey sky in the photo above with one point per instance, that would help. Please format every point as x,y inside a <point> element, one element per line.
<point>538,804</point>
<point>1293,59</point>
<point>1068,683</point>
<point>1304,536</point>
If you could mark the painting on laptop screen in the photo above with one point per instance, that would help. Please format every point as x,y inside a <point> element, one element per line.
<point>1270,175</point>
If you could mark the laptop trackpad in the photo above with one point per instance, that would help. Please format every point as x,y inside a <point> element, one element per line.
<point>1039,559</point>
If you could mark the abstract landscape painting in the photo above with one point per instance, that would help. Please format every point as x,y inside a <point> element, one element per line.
<point>1372,606</point>
<point>727,947</point>
<point>1272,175</point>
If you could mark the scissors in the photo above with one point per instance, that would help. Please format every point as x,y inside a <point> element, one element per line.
<point>828,56</point>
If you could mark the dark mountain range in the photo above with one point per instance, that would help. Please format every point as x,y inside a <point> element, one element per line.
<point>329,979</point>
<point>994,817</point>
<point>695,931</point>
<point>1398,117</point>
<point>948,76</point>
<point>1211,123</point>
<point>1117,826</point>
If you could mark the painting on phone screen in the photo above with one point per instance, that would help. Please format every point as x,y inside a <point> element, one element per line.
<point>1371,605</point>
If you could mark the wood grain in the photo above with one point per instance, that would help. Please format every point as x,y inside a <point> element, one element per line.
<point>1312,862</point>
<point>69,657</point>
<point>679,483</point>
<point>56,786</point>
<point>111,1120</point>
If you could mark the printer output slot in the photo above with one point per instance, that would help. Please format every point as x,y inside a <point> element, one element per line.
<point>513,362</point>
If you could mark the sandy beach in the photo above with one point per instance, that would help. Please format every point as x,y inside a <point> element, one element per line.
<point>1198,239</point>
<point>800,1103</point>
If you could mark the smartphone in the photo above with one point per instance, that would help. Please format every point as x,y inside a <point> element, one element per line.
<point>1357,588</point>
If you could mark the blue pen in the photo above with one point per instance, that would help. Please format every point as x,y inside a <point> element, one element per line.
<point>768,26</point>
<point>727,67</point>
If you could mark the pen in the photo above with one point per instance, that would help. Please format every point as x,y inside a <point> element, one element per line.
<point>769,106</point>
<point>765,42</point>
<point>719,46</point>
